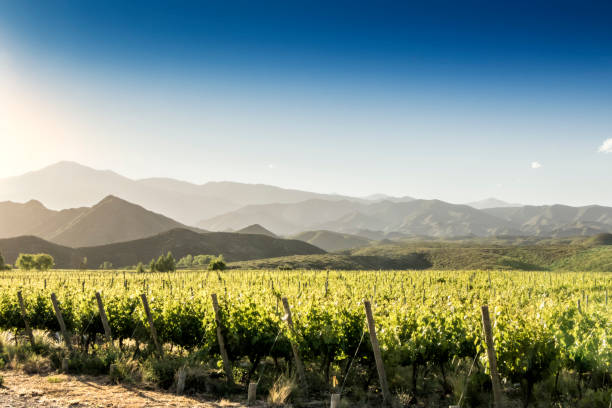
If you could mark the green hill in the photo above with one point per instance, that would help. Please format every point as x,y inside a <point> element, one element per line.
<point>559,254</point>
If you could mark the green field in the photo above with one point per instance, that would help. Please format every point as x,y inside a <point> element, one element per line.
<point>552,330</point>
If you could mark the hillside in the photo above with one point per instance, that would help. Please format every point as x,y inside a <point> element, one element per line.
<point>332,241</point>
<point>337,261</point>
<point>257,230</point>
<point>10,248</point>
<point>234,247</point>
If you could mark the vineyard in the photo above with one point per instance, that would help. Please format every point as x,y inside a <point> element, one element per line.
<point>552,331</point>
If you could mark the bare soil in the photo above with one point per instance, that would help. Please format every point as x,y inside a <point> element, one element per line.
<point>22,390</point>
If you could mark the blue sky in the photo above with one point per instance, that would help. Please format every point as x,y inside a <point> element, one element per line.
<point>449,100</point>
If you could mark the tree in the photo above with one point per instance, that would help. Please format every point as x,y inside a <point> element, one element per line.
<point>25,262</point>
<point>170,263</point>
<point>44,262</point>
<point>165,263</point>
<point>217,264</point>
<point>4,266</point>
<point>106,265</point>
<point>83,264</point>
<point>140,268</point>
<point>152,265</point>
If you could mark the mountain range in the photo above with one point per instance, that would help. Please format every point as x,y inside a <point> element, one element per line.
<point>106,208</point>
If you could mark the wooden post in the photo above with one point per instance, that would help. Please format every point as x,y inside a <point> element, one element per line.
<point>335,401</point>
<point>226,361</point>
<point>296,352</point>
<point>488,332</point>
<point>107,330</point>
<point>145,303</point>
<point>22,309</point>
<point>180,382</point>
<point>60,319</point>
<point>252,395</point>
<point>380,367</point>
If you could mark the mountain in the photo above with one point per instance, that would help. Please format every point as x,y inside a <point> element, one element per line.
<point>491,203</point>
<point>234,247</point>
<point>557,220</point>
<point>332,241</point>
<point>258,230</point>
<point>69,185</point>
<point>110,220</point>
<point>416,217</point>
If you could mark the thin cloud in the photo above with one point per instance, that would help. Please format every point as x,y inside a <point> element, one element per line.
<point>606,146</point>
<point>536,165</point>
<point>271,166</point>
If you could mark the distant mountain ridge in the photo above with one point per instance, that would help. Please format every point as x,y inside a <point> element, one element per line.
<point>70,185</point>
<point>431,218</point>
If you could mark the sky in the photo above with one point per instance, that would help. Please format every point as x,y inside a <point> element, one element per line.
<point>451,100</point>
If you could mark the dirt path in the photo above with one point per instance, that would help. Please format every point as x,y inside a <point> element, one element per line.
<point>24,391</point>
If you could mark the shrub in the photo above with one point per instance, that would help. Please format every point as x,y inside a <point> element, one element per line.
<point>217,264</point>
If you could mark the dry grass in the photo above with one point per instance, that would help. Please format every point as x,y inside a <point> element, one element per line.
<point>281,391</point>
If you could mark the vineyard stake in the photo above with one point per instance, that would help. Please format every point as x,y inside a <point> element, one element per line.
<point>226,361</point>
<point>296,352</point>
<point>107,330</point>
<point>335,401</point>
<point>486,324</point>
<point>145,304</point>
<point>380,367</point>
<point>28,330</point>
<point>60,319</point>
<point>252,394</point>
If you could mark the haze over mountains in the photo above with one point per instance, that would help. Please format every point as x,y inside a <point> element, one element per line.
<point>123,209</point>
<point>68,185</point>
